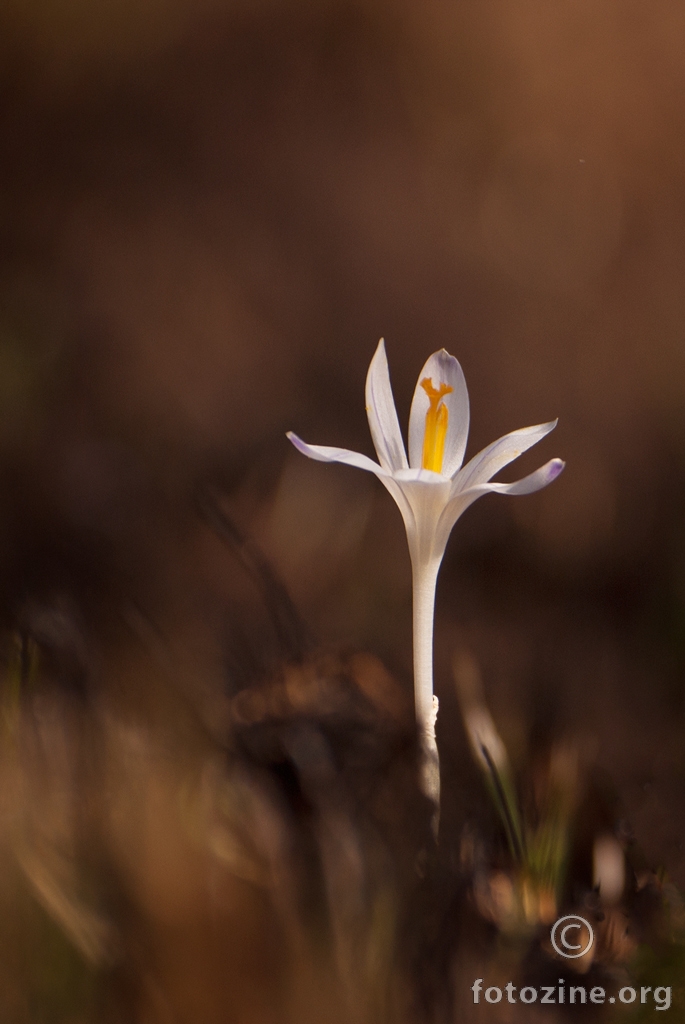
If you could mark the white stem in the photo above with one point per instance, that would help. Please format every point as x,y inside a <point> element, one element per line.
<point>424,582</point>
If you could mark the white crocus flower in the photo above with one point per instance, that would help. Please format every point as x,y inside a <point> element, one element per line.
<point>432,489</point>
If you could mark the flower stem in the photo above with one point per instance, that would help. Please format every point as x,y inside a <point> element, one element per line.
<point>424,579</point>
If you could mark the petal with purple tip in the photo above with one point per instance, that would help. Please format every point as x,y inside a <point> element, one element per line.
<point>441,368</point>
<point>460,501</point>
<point>499,454</point>
<point>322,453</point>
<point>527,485</point>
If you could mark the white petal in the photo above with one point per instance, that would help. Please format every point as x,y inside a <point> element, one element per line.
<point>441,368</point>
<point>422,476</point>
<point>404,505</point>
<point>324,454</point>
<point>533,482</point>
<point>499,454</point>
<point>380,408</point>
<point>427,500</point>
<point>462,499</point>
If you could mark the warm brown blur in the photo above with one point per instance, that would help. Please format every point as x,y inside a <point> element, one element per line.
<point>209,214</point>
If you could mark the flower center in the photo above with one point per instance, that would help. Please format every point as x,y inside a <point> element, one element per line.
<point>436,425</point>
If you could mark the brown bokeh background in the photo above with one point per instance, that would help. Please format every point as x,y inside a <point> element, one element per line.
<point>209,214</point>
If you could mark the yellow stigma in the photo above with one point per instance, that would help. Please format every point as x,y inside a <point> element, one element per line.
<point>436,425</point>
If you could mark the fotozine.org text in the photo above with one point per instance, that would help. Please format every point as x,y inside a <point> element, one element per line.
<point>578,994</point>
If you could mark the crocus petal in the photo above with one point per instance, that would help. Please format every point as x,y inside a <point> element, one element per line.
<point>499,454</point>
<point>441,368</point>
<point>533,482</point>
<point>460,501</point>
<point>380,408</point>
<point>426,500</point>
<point>423,476</point>
<point>322,453</point>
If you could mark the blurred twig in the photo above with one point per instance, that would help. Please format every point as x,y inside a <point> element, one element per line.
<point>291,632</point>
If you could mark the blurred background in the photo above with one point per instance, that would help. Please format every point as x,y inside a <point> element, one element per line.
<point>209,214</point>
